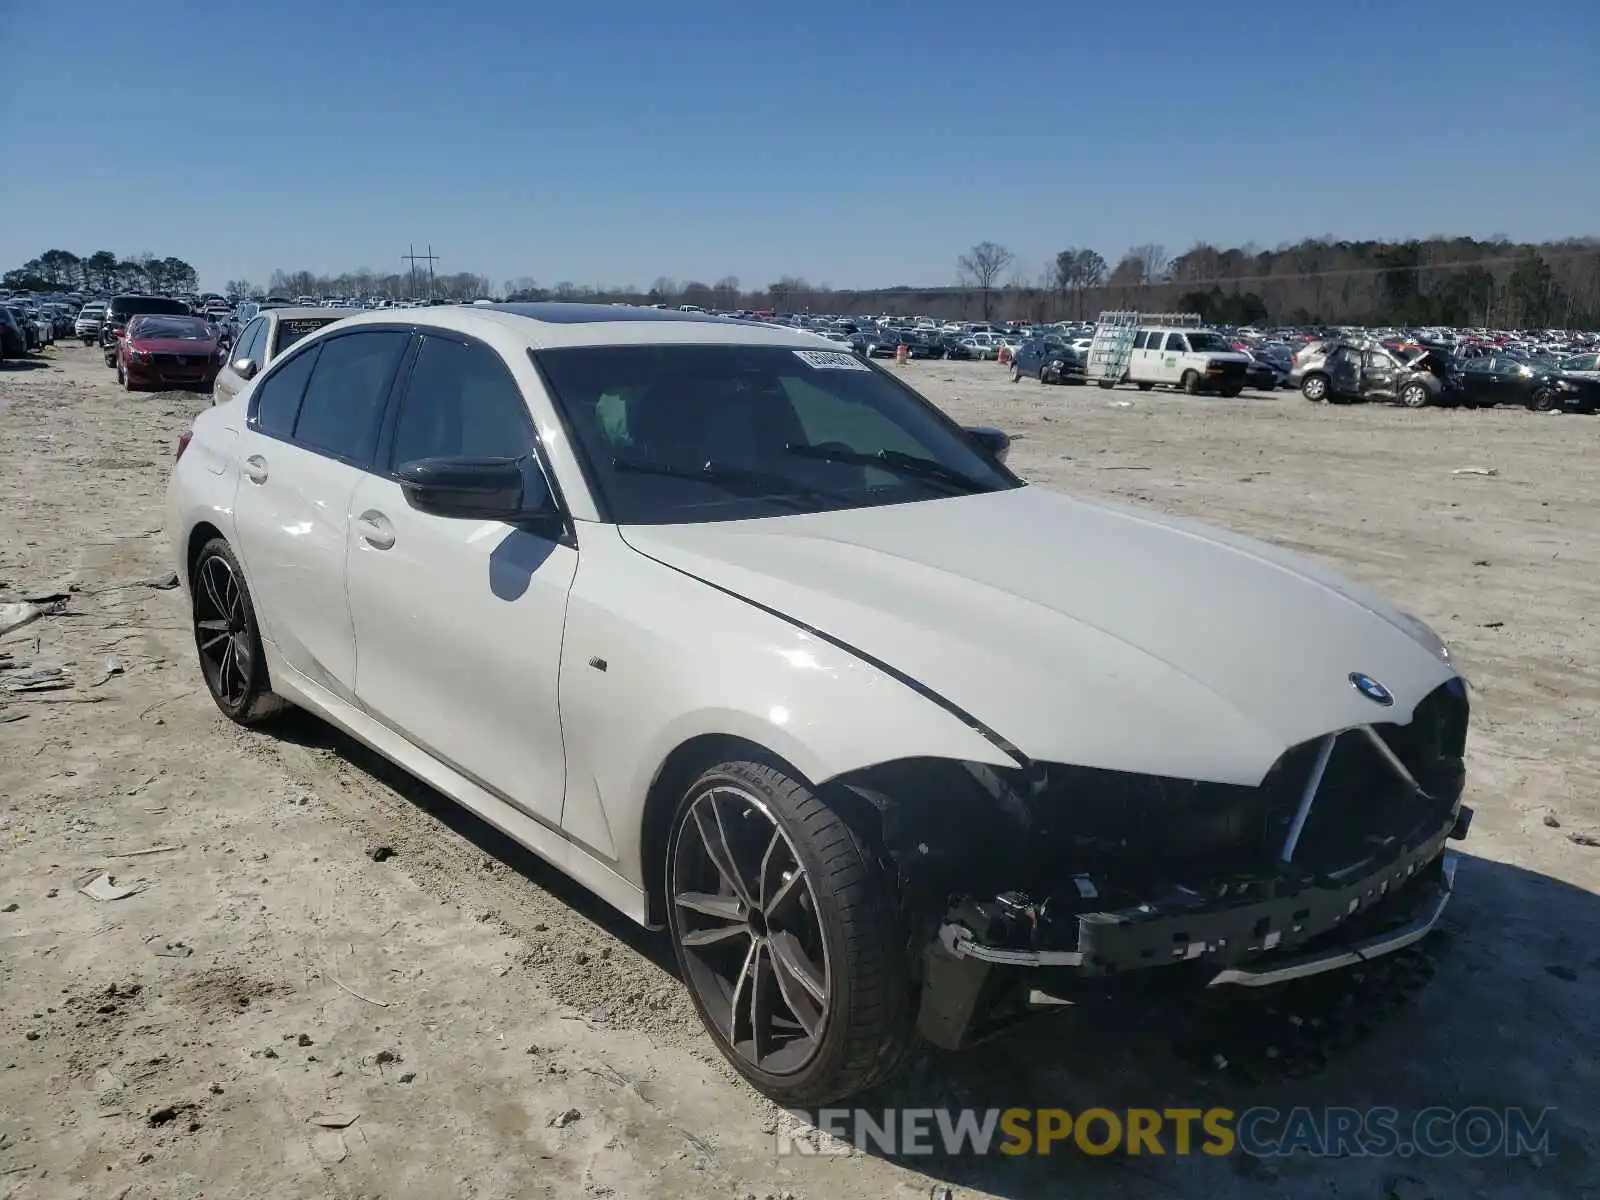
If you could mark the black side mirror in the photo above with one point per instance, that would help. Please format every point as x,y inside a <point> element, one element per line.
<point>482,489</point>
<point>994,442</point>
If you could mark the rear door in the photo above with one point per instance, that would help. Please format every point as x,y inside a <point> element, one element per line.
<point>309,437</point>
<point>458,623</point>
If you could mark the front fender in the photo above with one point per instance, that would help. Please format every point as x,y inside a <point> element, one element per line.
<point>653,658</point>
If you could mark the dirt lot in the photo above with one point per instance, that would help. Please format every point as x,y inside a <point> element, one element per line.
<point>277,1012</point>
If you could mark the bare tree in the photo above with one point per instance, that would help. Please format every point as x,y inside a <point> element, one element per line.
<point>1153,257</point>
<point>981,267</point>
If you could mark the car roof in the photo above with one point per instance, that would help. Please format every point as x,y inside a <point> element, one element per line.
<point>305,312</point>
<point>546,326</point>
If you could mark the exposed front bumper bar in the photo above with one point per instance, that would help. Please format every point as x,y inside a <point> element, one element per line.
<point>1337,957</point>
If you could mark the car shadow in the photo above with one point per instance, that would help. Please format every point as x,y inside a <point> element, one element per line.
<point>25,364</point>
<point>303,729</point>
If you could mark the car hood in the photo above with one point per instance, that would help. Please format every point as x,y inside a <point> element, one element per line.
<point>188,347</point>
<point>1080,632</point>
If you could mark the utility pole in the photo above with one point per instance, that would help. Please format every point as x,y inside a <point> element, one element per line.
<point>411,256</point>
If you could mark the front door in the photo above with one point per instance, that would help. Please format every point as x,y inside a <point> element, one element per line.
<point>249,345</point>
<point>308,440</point>
<point>1380,375</point>
<point>458,623</point>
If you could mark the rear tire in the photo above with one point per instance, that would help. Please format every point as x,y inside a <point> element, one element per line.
<point>799,948</point>
<point>1315,388</point>
<point>227,638</point>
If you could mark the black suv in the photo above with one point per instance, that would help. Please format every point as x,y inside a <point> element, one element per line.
<point>1048,361</point>
<point>123,307</point>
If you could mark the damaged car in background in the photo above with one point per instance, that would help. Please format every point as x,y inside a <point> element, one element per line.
<point>754,642</point>
<point>1340,371</point>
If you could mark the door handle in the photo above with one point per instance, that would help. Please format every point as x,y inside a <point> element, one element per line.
<point>375,529</point>
<point>255,469</point>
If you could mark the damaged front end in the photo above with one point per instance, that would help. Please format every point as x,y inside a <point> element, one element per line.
<point>1041,881</point>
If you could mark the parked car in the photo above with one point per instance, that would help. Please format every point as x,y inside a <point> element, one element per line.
<point>1261,372</point>
<point>121,308</point>
<point>87,325</point>
<point>954,347</point>
<point>758,645</point>
<point>14,340</point>
<point>163,351</point>
<point>1371,371</point>
<point>1502,379</point>
<point>1048,362</point>
<point>258,344</point>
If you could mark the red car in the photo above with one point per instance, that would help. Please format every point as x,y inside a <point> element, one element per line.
<point>161,350</point>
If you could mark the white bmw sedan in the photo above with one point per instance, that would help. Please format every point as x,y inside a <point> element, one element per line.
<point>754,642</point>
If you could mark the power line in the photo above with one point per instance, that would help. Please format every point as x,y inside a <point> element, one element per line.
<point>414,258</point>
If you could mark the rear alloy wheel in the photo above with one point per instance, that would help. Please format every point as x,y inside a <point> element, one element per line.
<point>1543,400</point>
<point>228,639</point>
<point>1414,395</point>
<point>1314,388</point>
<point>784,928</point>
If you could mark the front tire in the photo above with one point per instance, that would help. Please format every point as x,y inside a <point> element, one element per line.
<point>1016,373</point>
<point>1414,395</point>
<point>1190,383</point>
<point>784,927</point>
<point>1543,400</point>
<point>227,637</point>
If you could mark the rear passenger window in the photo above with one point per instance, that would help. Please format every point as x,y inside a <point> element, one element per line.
<point>460,400</point>
<point>277,399</point>
<point>344,400</point>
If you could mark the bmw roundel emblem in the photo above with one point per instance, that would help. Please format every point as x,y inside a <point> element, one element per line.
<point>1371,689</point>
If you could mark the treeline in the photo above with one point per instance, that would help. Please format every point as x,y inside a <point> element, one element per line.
<point>1440,281</point>
<point>102,271</point>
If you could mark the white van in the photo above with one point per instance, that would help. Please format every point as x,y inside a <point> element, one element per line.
<point>1196,360</point>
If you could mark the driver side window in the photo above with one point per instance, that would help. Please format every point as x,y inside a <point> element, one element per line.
<point>460,401</point>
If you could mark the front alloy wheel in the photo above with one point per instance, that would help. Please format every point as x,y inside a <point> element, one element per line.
<point>1414,395</point>
<point>783,928</point>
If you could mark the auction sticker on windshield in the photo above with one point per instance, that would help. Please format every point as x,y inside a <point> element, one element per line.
<point>830,360</point>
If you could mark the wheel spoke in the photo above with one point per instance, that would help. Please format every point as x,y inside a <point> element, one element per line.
<point>215,638</point>
<point>699,939</point>
<point>715,840</point>
<point>213,625</point>
<point>224,669</point>
<point>803,991</point>
<point>743,981</point>
<point>761,1033</point>
<point>786,889</point>
<point>723,908</point>
<point>209,578</point>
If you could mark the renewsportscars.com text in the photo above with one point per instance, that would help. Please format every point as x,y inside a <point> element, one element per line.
<point>1261,1132</point>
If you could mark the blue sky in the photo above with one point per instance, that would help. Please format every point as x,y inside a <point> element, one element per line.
<point>853,144</point>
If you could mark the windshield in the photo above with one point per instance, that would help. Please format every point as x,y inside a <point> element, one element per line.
<point>184,328</point>
<point>1204,339</point>
<point>674,434</point>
